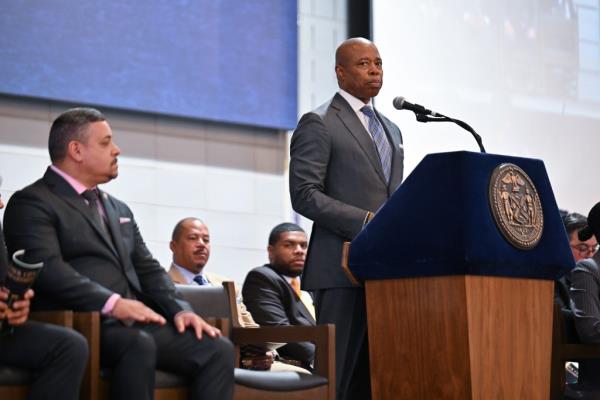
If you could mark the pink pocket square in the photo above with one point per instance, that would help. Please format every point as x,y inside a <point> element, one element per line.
<point>124,220</point>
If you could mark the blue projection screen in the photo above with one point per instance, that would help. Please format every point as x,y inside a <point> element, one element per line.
<point>219,60</point>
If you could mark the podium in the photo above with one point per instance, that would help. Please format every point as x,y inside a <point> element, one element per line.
<point>455,309</point>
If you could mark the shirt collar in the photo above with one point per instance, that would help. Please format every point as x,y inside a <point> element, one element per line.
<point>289,278</point>
<point>187,274</point>
<point>75,184</point>
<point>354,102</point>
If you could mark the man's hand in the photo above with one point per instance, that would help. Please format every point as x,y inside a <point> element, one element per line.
<point>188,319</point>
<point>17,315</point>
<point>133,310</point>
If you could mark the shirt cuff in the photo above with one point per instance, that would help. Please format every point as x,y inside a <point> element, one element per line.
<point>110,304</point>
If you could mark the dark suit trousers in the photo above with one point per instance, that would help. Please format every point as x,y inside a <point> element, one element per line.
<point>133,354</point>
<point>55,356</point>
<point>346,308</point>
<point>589,371</point>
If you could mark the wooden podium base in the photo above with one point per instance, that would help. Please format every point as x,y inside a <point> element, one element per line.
<point>460,337</point>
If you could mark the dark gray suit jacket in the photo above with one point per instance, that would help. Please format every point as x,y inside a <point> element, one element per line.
<point>83,267</point>
<point>585,296</point>
<point>335,179</point>
<point>272,302</point>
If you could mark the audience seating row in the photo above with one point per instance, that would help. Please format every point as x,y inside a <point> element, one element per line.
<point>217,305</point>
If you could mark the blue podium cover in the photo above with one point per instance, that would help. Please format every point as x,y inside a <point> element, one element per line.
<point>439,222</point>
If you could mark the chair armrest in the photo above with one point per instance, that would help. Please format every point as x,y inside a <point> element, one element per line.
<point>323,336</point>
<point>61,317</point>
<point>88,324</point>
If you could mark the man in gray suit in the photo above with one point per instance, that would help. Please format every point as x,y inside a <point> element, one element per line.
<point>346,161</point>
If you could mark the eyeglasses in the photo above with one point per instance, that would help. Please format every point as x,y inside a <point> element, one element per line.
<point>586,250</point>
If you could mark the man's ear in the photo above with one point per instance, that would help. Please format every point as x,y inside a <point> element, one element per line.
<point>270,250</point>
<point>339,73</point>
<point>74,150</point>
<point>172,246</point>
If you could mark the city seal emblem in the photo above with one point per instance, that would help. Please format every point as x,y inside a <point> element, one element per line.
<point>516,206</point>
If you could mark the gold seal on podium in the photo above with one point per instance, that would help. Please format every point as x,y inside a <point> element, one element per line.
<point>516,206</point>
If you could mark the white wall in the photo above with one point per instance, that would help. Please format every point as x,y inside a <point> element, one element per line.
<point>322,26</point>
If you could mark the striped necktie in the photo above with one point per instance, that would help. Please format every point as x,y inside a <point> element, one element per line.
<point>381,142</point>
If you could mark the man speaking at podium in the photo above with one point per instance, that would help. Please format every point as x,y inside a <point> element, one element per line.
<point>346,161</point>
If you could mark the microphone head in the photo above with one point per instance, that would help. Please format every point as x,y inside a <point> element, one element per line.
<point>399,103</point>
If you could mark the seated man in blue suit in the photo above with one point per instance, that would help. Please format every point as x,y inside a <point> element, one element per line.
<point>272,292</point>
<point>96,260</point>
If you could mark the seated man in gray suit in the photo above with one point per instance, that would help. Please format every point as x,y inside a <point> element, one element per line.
<point>272,292</point>
<point>95,259</point>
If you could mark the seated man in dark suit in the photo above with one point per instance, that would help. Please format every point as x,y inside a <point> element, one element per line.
<point>574,223</point>
<point>56,355</point>
<point>585,301</point>
<point>96,260</point>
<point>272,292</point>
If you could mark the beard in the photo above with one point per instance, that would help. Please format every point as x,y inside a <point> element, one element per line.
<point>287,269</point>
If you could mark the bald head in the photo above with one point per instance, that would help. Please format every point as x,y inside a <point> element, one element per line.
<point>358,68</point>
<point>344,50</point>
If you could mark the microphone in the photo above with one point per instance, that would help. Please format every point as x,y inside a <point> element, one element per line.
<point>400,103</point>
<point>424,115</point>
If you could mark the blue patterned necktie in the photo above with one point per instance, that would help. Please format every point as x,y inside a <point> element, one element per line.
<point>200,280</point>
<point>381,142</point>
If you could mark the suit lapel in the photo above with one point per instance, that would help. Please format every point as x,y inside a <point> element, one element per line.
<point>299,303</point>
<point>302,308</point>
<point>348,117</point>
<point>62,189</point>
<point>176,276</point>
<point>113,225</point>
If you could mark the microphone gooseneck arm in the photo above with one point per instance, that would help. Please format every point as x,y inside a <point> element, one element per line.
<point>462,124</point>
<point>424,115</point>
